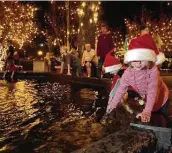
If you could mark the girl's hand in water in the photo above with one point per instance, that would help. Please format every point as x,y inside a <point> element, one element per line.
<point>112,114</point>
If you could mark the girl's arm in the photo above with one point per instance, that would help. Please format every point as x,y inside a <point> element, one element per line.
<point>121,90</point>
<point>152,89</point>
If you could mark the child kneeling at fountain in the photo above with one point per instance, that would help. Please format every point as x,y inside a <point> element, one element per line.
<point>144,77</point>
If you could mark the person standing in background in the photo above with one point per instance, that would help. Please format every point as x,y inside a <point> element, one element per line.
<point>65,60</point>
<point>104,45</point>
<point>9,63</point>
<point>47,60</point>
<point>75,61</point>
<point>16,58</point>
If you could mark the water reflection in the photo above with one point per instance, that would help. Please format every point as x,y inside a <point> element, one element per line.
<point>16,105</point>
<point>30,109</point>
<point>43,116</point>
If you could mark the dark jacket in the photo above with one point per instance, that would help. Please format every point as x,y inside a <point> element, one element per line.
<point>104,45</point>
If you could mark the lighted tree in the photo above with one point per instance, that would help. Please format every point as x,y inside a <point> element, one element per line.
<point>71,23</point>
<point>57,22</point>
<point>118,39</point>
<point>88,13</point>
<point>160,28</point>
<point>17,23</point>
<point>132,29</point>
<point>164,30</point>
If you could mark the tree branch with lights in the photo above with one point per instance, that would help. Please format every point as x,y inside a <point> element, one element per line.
<point>17,24</point>
<point>161,29</point>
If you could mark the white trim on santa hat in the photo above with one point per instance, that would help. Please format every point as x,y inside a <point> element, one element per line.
<point>112,68</point>
<point>160,58</point>
<point>140,54</point>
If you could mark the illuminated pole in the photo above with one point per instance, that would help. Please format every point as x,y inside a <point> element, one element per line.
<point>68,23</point>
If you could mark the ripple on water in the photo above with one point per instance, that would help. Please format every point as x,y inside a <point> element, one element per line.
<point>30,109</point>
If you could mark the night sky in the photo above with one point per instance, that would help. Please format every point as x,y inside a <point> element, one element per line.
<point>114,12</point>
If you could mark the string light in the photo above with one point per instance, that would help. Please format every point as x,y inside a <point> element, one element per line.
<point>161,31</point>
<point>118,39</point>
<point>55,20</point>
<point>88,29</point>
<point>17,24</point>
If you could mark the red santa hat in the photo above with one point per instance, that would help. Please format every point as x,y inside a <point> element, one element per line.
<point>111,63</point>
<point>143,48</point>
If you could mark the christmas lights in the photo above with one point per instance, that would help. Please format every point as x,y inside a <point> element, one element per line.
<point>161,30</point>
<point>17,23</point>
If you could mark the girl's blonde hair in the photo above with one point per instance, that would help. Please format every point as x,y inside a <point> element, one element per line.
<point>149,66</point>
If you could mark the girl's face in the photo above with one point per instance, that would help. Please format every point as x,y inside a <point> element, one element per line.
<point>139,65</point>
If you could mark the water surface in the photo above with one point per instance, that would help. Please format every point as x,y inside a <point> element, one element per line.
<point>32,112</point>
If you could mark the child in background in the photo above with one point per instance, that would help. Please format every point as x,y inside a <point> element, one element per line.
<point>87,59</point>
<point>47,59</point>
<point>9,64</point>
<point>16,58</point>
<point>65,60</point>
<point>113,66</point>
<point>144,77</point>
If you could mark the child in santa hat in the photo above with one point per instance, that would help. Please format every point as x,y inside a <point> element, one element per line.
<point>113,66</point>
<point>144,77</point>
